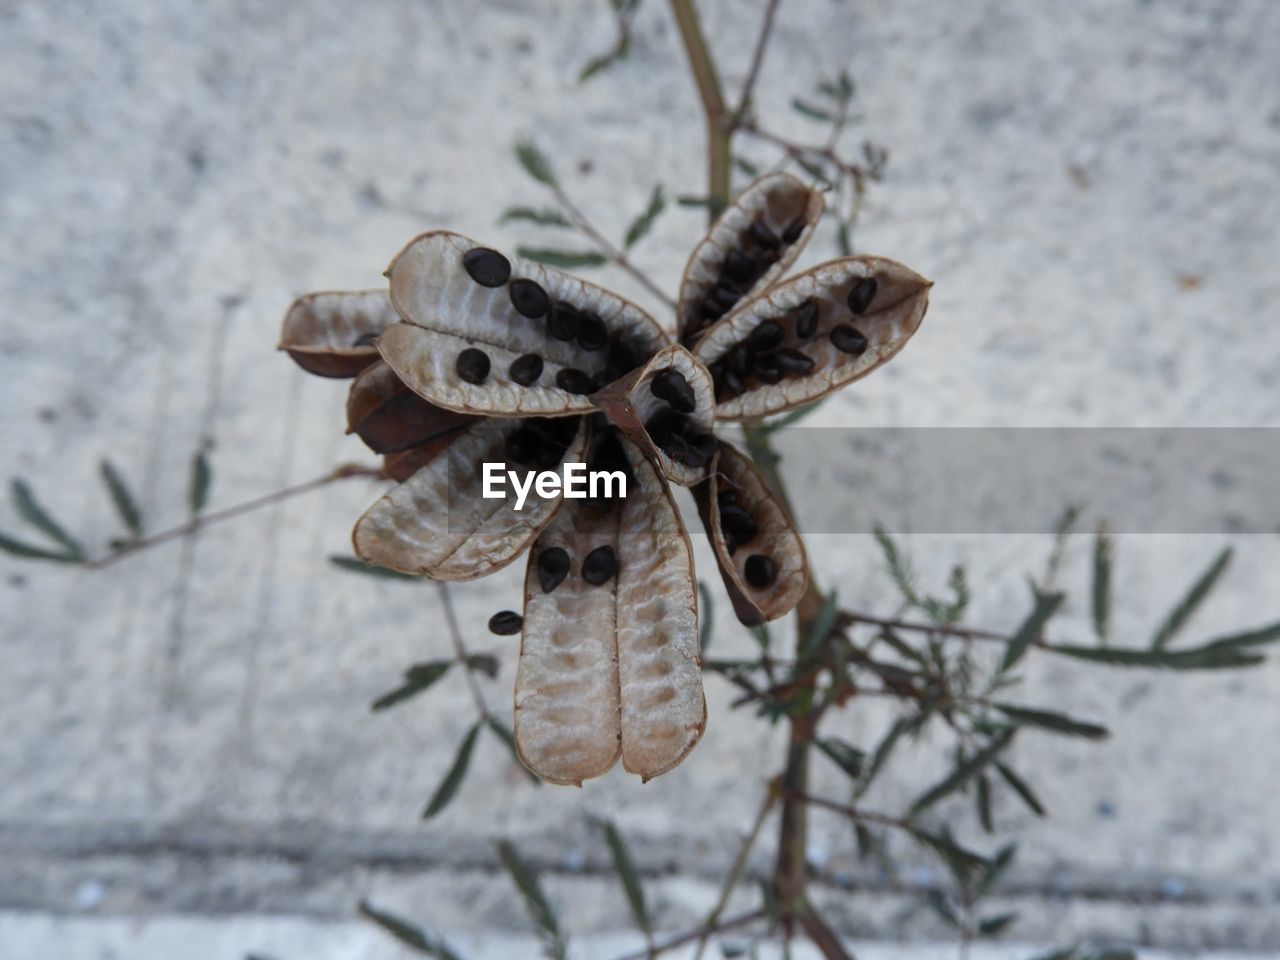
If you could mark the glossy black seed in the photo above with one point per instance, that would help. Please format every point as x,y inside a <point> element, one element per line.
<point>767,368</point>
<point>522,446</point>
<point>599,566</point>
<point>738,360</point>
<point>505,622</point>
<point>806,319</point>
<point>670,385</point>
<point>706,445</point>
<point>592,333</point>
<point>621,357</point>
<point>529,299</point>
<point>472,365</point>
<point>763,235</point>
<point>563,320</point>
<point>684,452</point>
<point>737,524</point>
<point>711,311</point>
<point>727,498</point>
<point>365,339</point>
<point>793,230</point>
<point>487,267</point>
<point>759,571</point>
<point>574,381</point>
<point>525,370</point>
<point>765,336</point>
<point>793,361</point>
<point>863,292</point>
<point>848,340</point>
<point>738,267</point>
<point>733,382</point>
<point>665,424</point>
<point>724,295</point>
<point>553,567</point>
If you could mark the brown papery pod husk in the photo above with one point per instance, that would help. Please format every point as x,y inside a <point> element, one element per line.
<point>447,312</point>
<point>437,524</point>
<point>403,465</point>
<point>391,418</point>
<point>321,330</point>
<point>902,297</point>
<point>629,403</point>
<point>777,539</point>
<point>612,669</point>
<point>775,199</point>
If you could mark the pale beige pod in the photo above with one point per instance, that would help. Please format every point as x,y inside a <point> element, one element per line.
<point>390,418</point>
<point>893,316</point>
<point>777,201</point>
<point>612,669</point>
<point>437,524</point>
<point>331,334</point>
<point>447,311</point>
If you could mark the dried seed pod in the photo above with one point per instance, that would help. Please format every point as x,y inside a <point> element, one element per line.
<point>760,589</point>
<point>391,418</point>
<point>593,684</point>
<point>436,524</point>
<point>331,334</point>
<point>447,312</point>
<point>901,298</point>
<point>774,203</point>
<point>631,404</point>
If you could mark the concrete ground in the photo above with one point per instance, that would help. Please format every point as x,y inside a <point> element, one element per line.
<point>189,767</point>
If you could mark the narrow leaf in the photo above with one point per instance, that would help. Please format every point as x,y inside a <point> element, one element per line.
<point>453,779</point>
<point>644,222</point>
<point>504,734</point>
<point>630,879</point>
<point>1101,583</point>
<point>809,110</point>
<point>820,628</point>
<point>996,867</point>
<point>535,164</point>
<point>902,726</point>
<point>20,549</point>
<point>564,259</point>
<point>843,242</point>
<point>994,926</point>
<point>1046,606</point>
<point>1208,657</point>
<point>706,609</point>
<point>1021,788</point>
<point>689,200</point>
<point>846,756</point>
<point>899,566</point>
<point>545,217</point>
<point>356,565</point>
<point>1053,722</point>
<point>37,516</point>
<point>201,481</point>
<point>746,166</point>
<point>413,937</point>
<point>1180,614</point>
<point>121,496</point>
<point>1252,638</point>
<point>963,772</point>
<point>417,678</point>
<point>982,801</point>
<point>485,663</point>
<point>792,417</point>
<point>540,911</point>
<point>962,863</point>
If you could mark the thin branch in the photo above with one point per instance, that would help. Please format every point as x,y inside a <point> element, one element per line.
<point>757,59</point>
<point>688,937</point>
<point>719,124</point>
<point>824,938</point>
<point>853,813</point>
<point>795,150</point>
<point>460,649</point>
<point>948,630</point>
<point>343,472</point>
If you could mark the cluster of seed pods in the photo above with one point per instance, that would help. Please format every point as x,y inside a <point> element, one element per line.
<point>478,357</point>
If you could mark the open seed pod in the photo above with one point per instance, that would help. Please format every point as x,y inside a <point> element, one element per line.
<point>811,335</point>
<point>760,553</point>
<point>437,523</point>
<point>331,334</point>
<point>751,244</point>
<point>667,407</point>
<point>489,334</point>
<point>391,418</point>
<point>609,655</point>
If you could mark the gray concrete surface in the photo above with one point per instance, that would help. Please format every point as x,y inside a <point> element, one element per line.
<point>188,756</point>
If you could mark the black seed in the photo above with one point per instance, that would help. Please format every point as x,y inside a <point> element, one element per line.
<point>738,267</point>
<point>766,336</point>
<point>524,370</point>
<point>724,295</point>
<point>563,320</point>
<point>472,365</point>
<point>848,340</point>
<point>711,311</point>
<point>793,361</point>
<point>760,232</point>
<point>522,446</point>
<point>706,445</point>
<point>592,333</point>
<point>767,368</point>
<point>759,571</point>
<point>796,227</point>
<point>739,360</point>
<point>727,498</point>
<point>670,385</point>
<point>684,452</point>
<point>529,299</point>
<point>365,339</point>
<point>737,524</point>
<point>806,319</point>
<point>505,622</point>
<point>599,566</point>
<point>487,267</point>
<point>574,381</point>
<point>666,424</point>
<point>733,382</point>
<point>553,567</point>
<point>863,292</point>
<point>621,357</point>
<point>601,380</point>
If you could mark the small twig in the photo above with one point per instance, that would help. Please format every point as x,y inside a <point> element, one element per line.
<point>825,152</point>
<point>757,60</point>
<point>683,938</point>
<point>460,649</point>
<point>209,519</point>
<point>823,937</point>
<point>853,813</point>
<point>964,633</point>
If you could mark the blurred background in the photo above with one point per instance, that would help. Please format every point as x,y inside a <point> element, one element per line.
<point>189,766</point>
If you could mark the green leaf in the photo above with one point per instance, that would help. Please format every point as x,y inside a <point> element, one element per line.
<point>811,111</point>
<point>545,217</point>
<point>995,925</point>
<point>1021,788</point>
<point>1046,605</point>
<point>413,937</point>
<point>1110,954</point>
<point>746,166</point>
<point>843,242</point>
<point>564,259</point>
<point>201,481</point>
<point>20,549</point>
<point>540,911</point>
<point>535,164</point>
<point>846,756</point>
<point>38,517</point>
<point>417,678</point>
<point>453,779</point>
<point>949,612</point>
<point>123,499</point>
<point>963,773</point>
<point>791,417</point>
<point>642,224</point>
<point>1102,547</point>
<point>627,874</point>
<point>1066,953</point>
<point>964,864</point>
<point>816,171</point>
<point>1208,657</point>
<point>706,609</point>
<point>820,628</point>
<point>942,907</point>
<point>762,636</point>
<point>902,726</point>
<point>504,734</point>
<point>899,566</point>
<point>485,663</point>
<point>1178,617</point>
<point>1051,721</point>
<point>356,565</point>
<point>996,867</point>
<point>689,200</point>
<point>1251,638</point>
<point>982,801</point>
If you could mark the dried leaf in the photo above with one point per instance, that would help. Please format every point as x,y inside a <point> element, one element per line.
<point>626,870</point>
<point>123,499</point>
<point>419,677</point>
<point>453,779</point>
<point>540,910</point>
<point>1200,590</point>
<point>36,515</point>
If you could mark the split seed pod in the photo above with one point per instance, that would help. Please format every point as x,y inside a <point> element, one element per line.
<point>332,334</point>
<point>390,418</point>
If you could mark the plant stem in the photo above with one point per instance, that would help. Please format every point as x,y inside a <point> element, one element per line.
<point>757,59</point>
<point>704,930</point>
<point>719,123</point>
<point>460,649</point>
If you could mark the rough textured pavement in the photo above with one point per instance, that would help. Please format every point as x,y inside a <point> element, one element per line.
<point>188,749</point>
